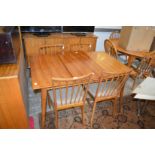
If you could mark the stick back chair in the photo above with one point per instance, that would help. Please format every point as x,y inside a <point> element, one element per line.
<point>143,70</point>
<point>110,87</point>
<point>68,93</point>
<point>110,48</point>
<point>52,49</point>
<point>116,35</point>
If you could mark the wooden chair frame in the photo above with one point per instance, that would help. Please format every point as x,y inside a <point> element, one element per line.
<point>110,48</point>
<point>143,70</point>
<point>111,89</point>
<point>77,98</point>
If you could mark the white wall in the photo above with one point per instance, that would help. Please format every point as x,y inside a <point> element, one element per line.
<point>100,41</point>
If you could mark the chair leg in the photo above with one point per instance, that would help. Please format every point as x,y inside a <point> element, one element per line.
<point>56,119</point>
<point>82,112</point>
<point>134,83</point>
<point>49,101</point>
<point>121,101</point>
<point>92,117</point>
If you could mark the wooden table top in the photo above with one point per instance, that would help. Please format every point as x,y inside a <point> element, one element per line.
<point>44,67</point>
<point>138,54</point>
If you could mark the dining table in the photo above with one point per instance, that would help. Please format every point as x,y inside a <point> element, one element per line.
<point>70,64</point>
<point>132,55</point>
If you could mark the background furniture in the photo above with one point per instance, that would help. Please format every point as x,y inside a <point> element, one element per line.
<point>33,42</point>
<point>71,95</point>
<point>45,67</point>
<point>14,95</point>
<point>51,49</point>
<point>143,70</point>
<point>9,44</point>
<point>116,35</point>
<point>132,55</point>
<point>81,47</point>
<point>110,48</point>
<point>109,87</point>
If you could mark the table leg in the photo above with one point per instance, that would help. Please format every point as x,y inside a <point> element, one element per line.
<point>43,106</point>
<point>130,60</point>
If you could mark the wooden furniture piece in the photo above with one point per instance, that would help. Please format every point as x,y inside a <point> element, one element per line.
<point>80,43</point>
<point>81,47</point>
<point>108,88</point>
<point>71,95</point>
<point>114,35</point>
<point>132,55</point>
<point>110,48</point>
<point>45,67</point>
<point>51,49</point>
<point>143,70</point>
<point>14,95</point>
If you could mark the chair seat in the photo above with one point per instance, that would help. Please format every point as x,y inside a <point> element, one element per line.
<point>70,99</point>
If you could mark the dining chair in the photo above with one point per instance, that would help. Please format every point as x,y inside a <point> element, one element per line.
<point>109,88</point>
<point>114,35</point>
<point>110,48</point>
<point>122,57</point>
<point>67,93</point>
<point>80,47</point>
<point>152,63</point>
<point>143,70</point>
<point>52,49</point>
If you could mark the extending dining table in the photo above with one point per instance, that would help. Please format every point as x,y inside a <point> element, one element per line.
<point>132,55</point>
<point>70,64</point>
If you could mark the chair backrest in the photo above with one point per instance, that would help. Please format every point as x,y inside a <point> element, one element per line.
<point>144,68</point>
<point>51,49</point>
<point>152,55</point>
<point>110,48</point>
<point>114,35</point>
<point>70,91</point>
<point>110,85</point>
<point>81,48</point>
